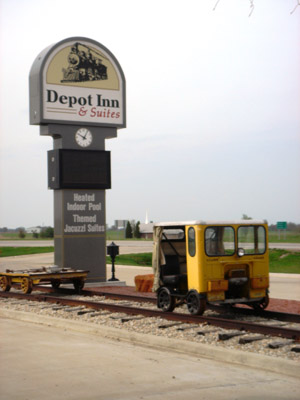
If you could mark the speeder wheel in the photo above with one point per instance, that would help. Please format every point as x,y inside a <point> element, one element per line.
<point>195,304</point>
<point>165,301</point>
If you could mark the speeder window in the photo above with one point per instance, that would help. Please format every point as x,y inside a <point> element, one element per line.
<point>191,242</point>
<point>219,241</point>
<point>252,239</point>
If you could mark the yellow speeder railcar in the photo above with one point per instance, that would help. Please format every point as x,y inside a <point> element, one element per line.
<point>197,262</point>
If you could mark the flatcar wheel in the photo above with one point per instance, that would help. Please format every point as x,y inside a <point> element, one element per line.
<point>26,285</point>
<point>55,283</point>
<point>5,283</point>
<point>165,301</point>
<point>261,305</point>
<point>195,304</point>
<point>78,284</point>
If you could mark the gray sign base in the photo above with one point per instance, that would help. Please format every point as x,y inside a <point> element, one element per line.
<point>79,231</point>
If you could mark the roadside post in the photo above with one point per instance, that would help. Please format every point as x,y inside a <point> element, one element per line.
<point>77,96</point>
<point>281,226</point>
<point>113,251</point>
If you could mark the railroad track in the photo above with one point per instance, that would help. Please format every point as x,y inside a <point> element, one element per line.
<point>240,327</point>
<point>284,317</point>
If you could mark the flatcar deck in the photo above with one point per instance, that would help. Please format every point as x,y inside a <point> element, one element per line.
<point>52,275</point>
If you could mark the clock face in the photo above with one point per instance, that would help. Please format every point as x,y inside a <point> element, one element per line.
<point>83,137</point>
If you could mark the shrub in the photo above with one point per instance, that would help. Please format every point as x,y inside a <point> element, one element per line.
<point>47,232</point>
<point>22,233</point>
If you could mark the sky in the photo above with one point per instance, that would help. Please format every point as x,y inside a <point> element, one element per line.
<point>213,100</point>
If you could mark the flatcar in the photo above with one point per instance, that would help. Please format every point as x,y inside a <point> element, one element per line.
<point>200,262</point>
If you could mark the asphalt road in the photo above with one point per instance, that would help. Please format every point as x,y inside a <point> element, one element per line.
<point>127,246</point>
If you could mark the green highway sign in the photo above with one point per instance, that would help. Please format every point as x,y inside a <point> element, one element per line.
<point>282,225</point>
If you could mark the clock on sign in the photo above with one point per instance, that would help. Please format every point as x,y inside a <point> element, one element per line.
<point>83,137</point>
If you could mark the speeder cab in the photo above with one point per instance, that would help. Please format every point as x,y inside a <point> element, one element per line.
<point>197,262</point>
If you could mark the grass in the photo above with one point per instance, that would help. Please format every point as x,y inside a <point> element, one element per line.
<point>288,237</point>
<point>15,236</point>
<point>139,259</point>
<point>21,251</point>
<point>115,235</point>
<point>281,261</point>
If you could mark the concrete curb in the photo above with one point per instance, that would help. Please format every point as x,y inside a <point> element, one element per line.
<point>282,275</point>
<point>267,363</point>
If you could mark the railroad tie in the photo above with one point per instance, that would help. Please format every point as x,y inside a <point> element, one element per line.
<point>82,312</point>
<point>296,349</point>
<point>72,309</point>
<point>127,319</point>
<point>203,333</point>
<point>279,344</point>
<point>250,339</point>
<point>165,326</point>
<point>230,335</point>
<point>99,313</point>
<point>118,317</point>
<point>189,326</point>
<point>47,306</point>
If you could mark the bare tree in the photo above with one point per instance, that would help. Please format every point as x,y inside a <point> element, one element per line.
<point>296,6</point>
<point>252,6</point>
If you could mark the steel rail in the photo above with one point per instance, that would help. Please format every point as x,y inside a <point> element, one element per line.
<point>284,317</point>
<point>280,316</point>
<point>184,318</point>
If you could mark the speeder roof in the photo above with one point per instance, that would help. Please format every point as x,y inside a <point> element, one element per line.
<point>209,222</point>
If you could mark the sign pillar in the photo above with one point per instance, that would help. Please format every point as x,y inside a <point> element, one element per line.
<point>77,96</point>
<point>79,231</point>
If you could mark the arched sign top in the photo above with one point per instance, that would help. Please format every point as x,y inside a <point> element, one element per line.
<point>77,81</point>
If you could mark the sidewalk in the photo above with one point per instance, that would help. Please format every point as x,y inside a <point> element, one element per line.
<point>60,363</point>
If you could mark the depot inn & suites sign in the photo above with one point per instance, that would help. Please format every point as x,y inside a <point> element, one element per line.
<point>77,96</point>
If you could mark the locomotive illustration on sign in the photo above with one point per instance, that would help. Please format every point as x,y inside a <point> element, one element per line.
<point>84,65</point>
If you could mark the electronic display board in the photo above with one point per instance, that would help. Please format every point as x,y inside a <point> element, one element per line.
<point>79,169</point>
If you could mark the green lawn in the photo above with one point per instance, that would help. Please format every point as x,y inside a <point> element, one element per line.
<point>284,261</point>
<point>115,235</point>
<point>21,251</point>
<point>140,259</point>
<point>288,237</point>
<point>15,236</point>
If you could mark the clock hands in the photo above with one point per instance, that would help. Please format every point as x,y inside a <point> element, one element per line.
<point>83,137</point>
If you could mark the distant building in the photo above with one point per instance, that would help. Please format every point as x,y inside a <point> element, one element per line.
<point>34,229</point>
<point>120,223</point>
<point>146,231</point>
